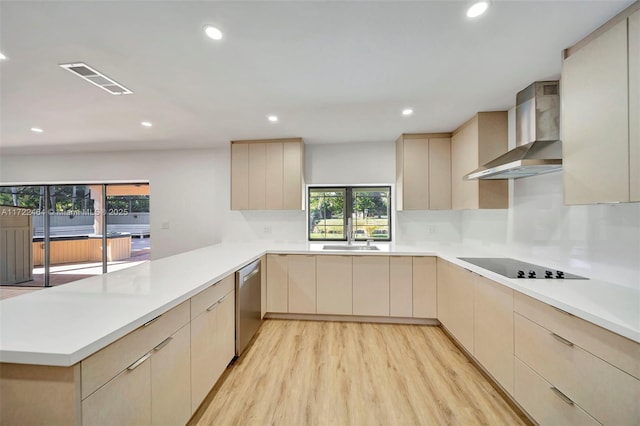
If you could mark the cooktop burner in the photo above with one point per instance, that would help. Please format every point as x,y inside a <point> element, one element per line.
<point>513,268</point>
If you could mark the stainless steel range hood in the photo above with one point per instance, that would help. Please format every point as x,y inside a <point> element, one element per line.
<point>538,146</point>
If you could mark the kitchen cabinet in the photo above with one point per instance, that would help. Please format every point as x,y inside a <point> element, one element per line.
<point>423,172</point>
<point>302,284</point>
<point>493,330</point>
<point>171,379</point>
<point>267,174</point>
<point>600,114</point>
<point>455,302</point>
<point>212,337</point>
<point>424,291</point>
<point>587,366</point>
<point>476,142</point>
<point>277,283</point>
<point>118,381</point>
<point>371,285</point>
<point>334,279</point>
<point>291,284</point>
<point>401,286</point>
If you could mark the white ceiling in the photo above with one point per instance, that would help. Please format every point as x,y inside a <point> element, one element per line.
<point>332,71</point>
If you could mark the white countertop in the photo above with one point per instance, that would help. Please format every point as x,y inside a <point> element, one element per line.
<point>63,325</point>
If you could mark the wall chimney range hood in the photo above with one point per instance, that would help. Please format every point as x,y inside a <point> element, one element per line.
<point>538,146</point>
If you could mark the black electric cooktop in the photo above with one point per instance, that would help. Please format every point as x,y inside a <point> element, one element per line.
<point>512,268</point>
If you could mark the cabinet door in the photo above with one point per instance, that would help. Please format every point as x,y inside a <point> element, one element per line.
<point>292,175</point>
<point>425,303</point>
<point>226,331</point>
<point>440,174</point>
<point>456,296</point>
<point>203,354</point>
<point>170,380</point>
<point>277,287</point>
<point>125,400</point>
<point>464,158</point>
<point>401,286</point>
<point>239,176</point>
<point>274,176</point>
<point>257,176</point>
<point>595,120</point>
<point>302,284</point>
<point>416,174</point>
<point>493,330</point>
<point>371,285</point>
<point>634,106</point>
<point>334,285</point>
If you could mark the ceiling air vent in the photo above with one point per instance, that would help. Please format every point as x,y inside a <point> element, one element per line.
<point>97,78</point>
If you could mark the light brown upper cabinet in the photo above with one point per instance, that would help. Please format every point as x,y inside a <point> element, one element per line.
<point>423,171</point>
<point>601,113</point>
<point>267,174</point>
<point>475,143</point>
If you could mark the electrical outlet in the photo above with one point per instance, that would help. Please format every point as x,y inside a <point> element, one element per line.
<point>165,225</point>
<point>432,229</point>
<point>267,230</point>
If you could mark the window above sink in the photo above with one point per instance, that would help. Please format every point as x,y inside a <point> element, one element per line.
<point>330,207</point>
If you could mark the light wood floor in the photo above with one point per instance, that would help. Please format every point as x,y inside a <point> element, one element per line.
<point>330,373</point>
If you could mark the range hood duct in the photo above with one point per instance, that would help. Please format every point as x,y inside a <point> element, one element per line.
<point>538,146</point>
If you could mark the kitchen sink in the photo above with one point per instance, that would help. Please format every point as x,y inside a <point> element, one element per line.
<point>349,248</point>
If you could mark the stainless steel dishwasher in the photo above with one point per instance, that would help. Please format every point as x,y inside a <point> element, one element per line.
<point>248,295</point>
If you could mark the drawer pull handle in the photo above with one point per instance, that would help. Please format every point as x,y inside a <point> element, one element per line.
<point>561,339</point>
<point>212,307</point>
<point>164,343</point>
<point>138,362</point>
<point>562,396</point>
<point>222,300</point>
<point>149,322</point>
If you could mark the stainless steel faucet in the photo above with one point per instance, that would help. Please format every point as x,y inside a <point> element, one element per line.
<point>349,231</point>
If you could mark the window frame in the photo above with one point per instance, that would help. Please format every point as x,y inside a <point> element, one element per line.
<point>348,208</point>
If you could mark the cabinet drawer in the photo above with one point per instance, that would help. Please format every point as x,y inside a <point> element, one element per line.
<point>608,394</point>
<point>207,297</point>
<point>613,348</point>
<point>543,403</point>
<point>105,364</point>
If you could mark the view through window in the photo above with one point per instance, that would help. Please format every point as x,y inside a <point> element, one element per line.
<point>368,207</point>
<point>73,217</point>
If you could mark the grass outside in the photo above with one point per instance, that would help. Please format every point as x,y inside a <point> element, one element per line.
<point>369,228</point>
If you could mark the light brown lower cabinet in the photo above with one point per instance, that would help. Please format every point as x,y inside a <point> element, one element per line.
<point>493,329</point>
<point>277,283</point>
<point>302,283</point>
<point>334,279</point>
<point>545,403</point>
<point>401,286</point>
<point>124,400</point>
<point>455,302</point>
<point>371,285</point>
<point>424,293</point>
<point>212,337</point>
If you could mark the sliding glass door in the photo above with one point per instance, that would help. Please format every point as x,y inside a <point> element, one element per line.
<point>55,234</point>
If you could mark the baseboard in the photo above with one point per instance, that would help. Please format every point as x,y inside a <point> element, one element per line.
<point>353,318</point>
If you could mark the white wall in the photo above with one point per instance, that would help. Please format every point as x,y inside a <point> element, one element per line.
<point>183,185</point>
<point>600,241</point>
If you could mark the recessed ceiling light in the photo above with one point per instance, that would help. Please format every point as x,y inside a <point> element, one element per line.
<point>146,123</point>
<point>407,111</point>
<point>477,9</point>
<point>37,130</point>
<point>2,56</point>
<point>272,118</point>
<point>213,32</point>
